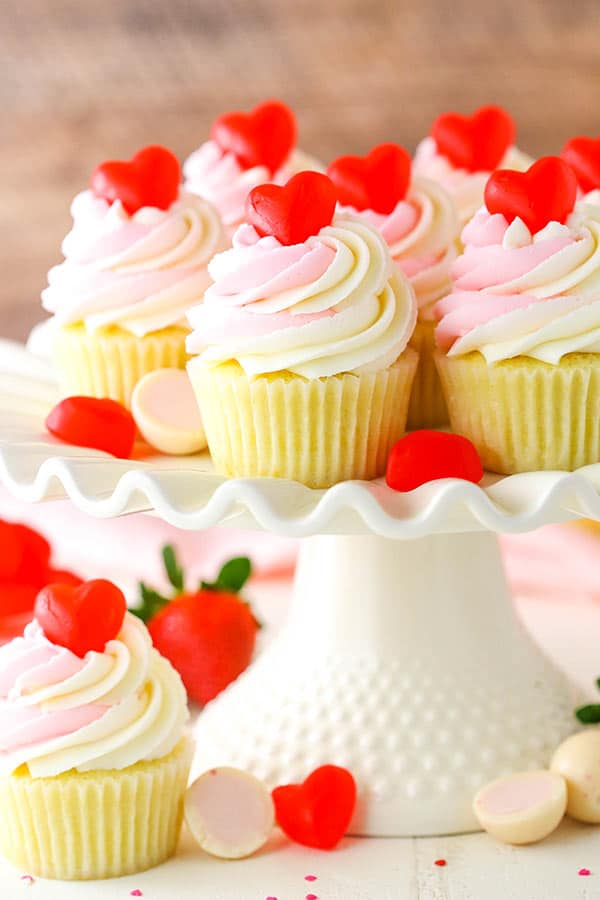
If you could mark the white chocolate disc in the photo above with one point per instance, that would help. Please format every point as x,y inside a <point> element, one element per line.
<point>521,808</point>
<point>166,412</point>
<point>578,761</point>
<point>229,812</point>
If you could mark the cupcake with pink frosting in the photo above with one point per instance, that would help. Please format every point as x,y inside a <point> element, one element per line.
<point>519,335</point>
<point>135,261</point>
<point>303,369</point>
<point>461,152</point>
<point>94,756</point>
<point>418,221</point>
<point>245,150</point>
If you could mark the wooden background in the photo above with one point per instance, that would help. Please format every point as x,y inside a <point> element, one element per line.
<point>83,80</point>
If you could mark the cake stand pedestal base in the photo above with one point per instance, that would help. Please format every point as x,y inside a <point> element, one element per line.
<point>403,661</point>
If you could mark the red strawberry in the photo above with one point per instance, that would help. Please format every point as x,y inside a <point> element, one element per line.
<point>24,554</point>
<point>208,635</point>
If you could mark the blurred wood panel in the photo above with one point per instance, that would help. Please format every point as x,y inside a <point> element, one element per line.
<point>81,81</point>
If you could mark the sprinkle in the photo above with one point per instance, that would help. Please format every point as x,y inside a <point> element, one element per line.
<point>584,872</point>
<point>28,879</point>
<point>136,893</point>
<point>311,897</point>
<point>310,877</point>
<point>270,898</point>
<point>440,862</point>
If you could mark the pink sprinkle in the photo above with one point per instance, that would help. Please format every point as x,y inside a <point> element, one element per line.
<point>584,872</point>
<point>311,897</point>
<point>136,893</point>
<point>270,898</point>
<point>28,879</point>
<point>310,877</point>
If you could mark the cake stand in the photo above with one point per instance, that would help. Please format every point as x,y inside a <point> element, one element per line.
<point>402,658</point>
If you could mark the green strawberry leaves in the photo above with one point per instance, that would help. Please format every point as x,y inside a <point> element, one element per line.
<point>590,713</point>
<point>231,579</point>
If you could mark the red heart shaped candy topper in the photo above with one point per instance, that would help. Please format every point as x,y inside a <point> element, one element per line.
<point>546,192</point>
<point>150,178</point>
<point>317,812</point>
<point>265,136</point>
<point>583,155</point>
<point>476,143</point>
<point>295,211</point>
<point>81,618</point>
<point>377,181</point>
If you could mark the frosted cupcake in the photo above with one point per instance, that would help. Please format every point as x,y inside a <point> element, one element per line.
<point>461,152</point>
<point>520,332</point>
<point>135,260</point>
<point>419,223</point>
<point>304,370</point>
<point>583,155</point>
<point>245,150</point>
<point>94,758</point>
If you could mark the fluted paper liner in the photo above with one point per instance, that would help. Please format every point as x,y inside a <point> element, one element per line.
<point>524,415</point>
<point>317,431</point>
<point>110,361</point>
<point>99,824</point>
<point>427,408</point>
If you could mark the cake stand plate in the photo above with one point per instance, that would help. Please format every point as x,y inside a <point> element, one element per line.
<point>402,658</point>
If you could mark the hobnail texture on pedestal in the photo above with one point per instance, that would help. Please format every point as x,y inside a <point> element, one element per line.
<point>404,662</point>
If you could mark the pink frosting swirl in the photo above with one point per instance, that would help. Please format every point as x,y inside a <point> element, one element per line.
<point>521,294</point>
<point>220,179</point>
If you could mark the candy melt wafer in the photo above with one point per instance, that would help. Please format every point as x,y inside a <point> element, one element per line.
<point>166,412</point>
<point>522,808</point>
<point>229,812</point>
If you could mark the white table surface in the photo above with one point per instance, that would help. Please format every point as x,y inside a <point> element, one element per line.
<point>477,867</point>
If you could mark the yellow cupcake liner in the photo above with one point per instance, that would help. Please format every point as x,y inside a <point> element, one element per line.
<point>427,408</point>
<point>100,824</point>
<point>524,415</point>
<point>316,431</point>
<point>109,362</point>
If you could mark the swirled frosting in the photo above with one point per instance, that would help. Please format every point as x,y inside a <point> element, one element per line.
<point>139,272</point>
<point>220,179</point>
<point>108,710</point>
<point>421,233</point>
<point>518,294</point>
<point>465,188</point>
<point>335,303</point>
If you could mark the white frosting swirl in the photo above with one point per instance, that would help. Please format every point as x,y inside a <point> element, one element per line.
<point>336,303</point>
<point>466,188</point>
<point>220,179</point>
<point>108,710</point>
<point>421,232</point>
<point>139,272</point>
<point>518,294</point>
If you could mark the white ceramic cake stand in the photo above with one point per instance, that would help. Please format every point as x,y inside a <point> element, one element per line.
<point>402,658</point>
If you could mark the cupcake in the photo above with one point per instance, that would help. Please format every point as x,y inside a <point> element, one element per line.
<point>519,335</point>
<point>245,150</point>
<point>94,758</point>
<point>303,369</point>
<point>461,152</point>
<point>135,260</point>
<point>418,220</point>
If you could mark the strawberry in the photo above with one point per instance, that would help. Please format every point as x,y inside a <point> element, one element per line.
<point>208,635</point>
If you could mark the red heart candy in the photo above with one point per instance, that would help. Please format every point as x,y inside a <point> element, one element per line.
<point>546,192</point>
<point>81,618</point>
<point>24,555</point>
<point>423,456</point>
<point>377,181</point>
<point>583,155</point>
<point>477,142</point>
<point>150,178</point>
<point>295,211</point>
<point>317,812</point>
<point>95,422</point>
<point>263,137</point>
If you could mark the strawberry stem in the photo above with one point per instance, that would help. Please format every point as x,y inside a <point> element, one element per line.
<point>172,568</point>
<point>232,577</point>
